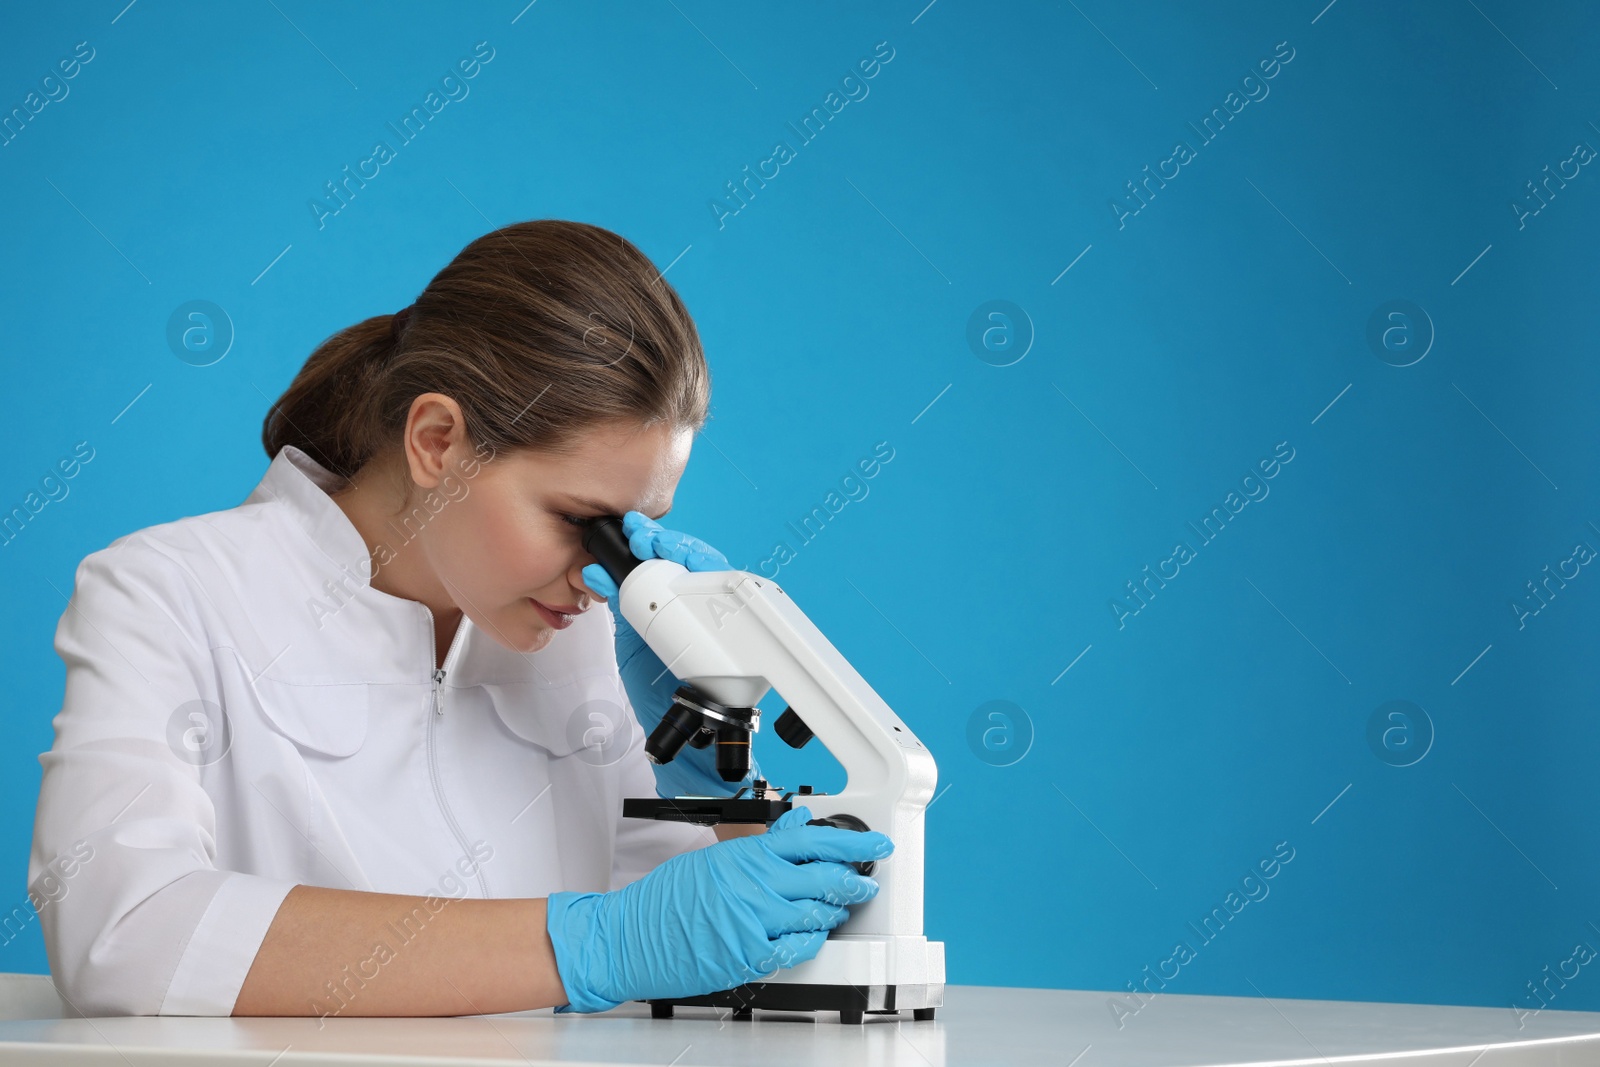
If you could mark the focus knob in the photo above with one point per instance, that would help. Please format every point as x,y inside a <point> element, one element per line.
<point>792,729</point>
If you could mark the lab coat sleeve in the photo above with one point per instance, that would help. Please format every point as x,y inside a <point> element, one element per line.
<point>644,844</point>
<point>136,918</point>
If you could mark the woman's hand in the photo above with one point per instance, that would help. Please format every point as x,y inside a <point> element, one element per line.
<point>693,771</point>
<point>712,918</point>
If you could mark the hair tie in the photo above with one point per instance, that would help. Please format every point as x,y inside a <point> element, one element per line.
<point>397,324</point>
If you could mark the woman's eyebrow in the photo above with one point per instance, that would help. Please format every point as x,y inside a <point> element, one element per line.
<point>601,507</point>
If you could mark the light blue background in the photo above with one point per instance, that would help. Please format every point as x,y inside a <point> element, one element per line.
<point>1232,712</point>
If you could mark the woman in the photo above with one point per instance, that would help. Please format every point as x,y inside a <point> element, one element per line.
<point>358,746</point>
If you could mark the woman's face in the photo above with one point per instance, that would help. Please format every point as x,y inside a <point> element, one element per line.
<point>508,532</point>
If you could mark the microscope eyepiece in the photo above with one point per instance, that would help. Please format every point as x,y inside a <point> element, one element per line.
<point>604,540</point>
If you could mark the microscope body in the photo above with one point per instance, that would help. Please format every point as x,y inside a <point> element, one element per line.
<point>732,636</point>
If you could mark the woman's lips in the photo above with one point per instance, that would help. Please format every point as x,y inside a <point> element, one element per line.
<point>556,619</point>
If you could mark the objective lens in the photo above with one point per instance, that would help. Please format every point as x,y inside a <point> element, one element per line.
<point>677,726</point>
<point>733,752</point>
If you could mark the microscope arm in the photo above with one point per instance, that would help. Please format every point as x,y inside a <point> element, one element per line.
<point>732,636</point>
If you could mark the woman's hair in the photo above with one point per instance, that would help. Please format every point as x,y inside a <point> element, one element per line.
<point>538,330</point>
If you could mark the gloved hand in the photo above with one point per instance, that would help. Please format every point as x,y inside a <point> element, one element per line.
<point>650,685</point>
<point>712,918</point>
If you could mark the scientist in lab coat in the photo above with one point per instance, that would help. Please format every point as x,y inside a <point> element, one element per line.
<point>359,745</point>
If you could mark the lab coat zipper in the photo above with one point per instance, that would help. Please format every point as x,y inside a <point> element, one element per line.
<point>433,748</point>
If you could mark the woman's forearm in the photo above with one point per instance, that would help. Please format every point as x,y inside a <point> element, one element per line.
<point>727,831</point>
<point>348,952</point>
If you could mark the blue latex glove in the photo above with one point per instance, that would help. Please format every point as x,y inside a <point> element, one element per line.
<point>712,918</point>
<point>693,771</point>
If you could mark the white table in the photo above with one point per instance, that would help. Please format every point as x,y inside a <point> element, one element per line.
<point>989,1026</point>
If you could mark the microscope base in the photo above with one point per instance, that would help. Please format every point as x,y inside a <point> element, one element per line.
<point>854,975</point>
<point>850,1001</point>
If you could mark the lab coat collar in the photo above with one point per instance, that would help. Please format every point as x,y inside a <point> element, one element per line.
<point>337,625</point>
<point>303,485</point>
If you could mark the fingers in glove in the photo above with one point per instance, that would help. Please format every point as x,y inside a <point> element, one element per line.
<point>691,552</point>
<point>598,580</point>
<point>798,815</point>
<point>807,915</point>
<point>762,875</point>
<point>790,838</point>
<point>792,949</point>
<point>836,883</point>
<point>641,531</point>
<point>648,540</point>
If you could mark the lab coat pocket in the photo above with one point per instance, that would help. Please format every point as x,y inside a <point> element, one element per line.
<point>585,714</point>
<point>328,719</point>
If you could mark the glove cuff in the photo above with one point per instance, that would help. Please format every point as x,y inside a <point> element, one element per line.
<point>570,921</point>
<point>629,644</point>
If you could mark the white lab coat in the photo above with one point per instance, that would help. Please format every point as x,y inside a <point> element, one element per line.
<point>158,861</point>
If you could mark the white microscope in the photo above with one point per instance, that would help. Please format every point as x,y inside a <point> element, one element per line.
<point>730,636</point>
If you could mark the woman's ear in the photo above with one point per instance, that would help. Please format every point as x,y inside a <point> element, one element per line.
<point>434,426</point>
